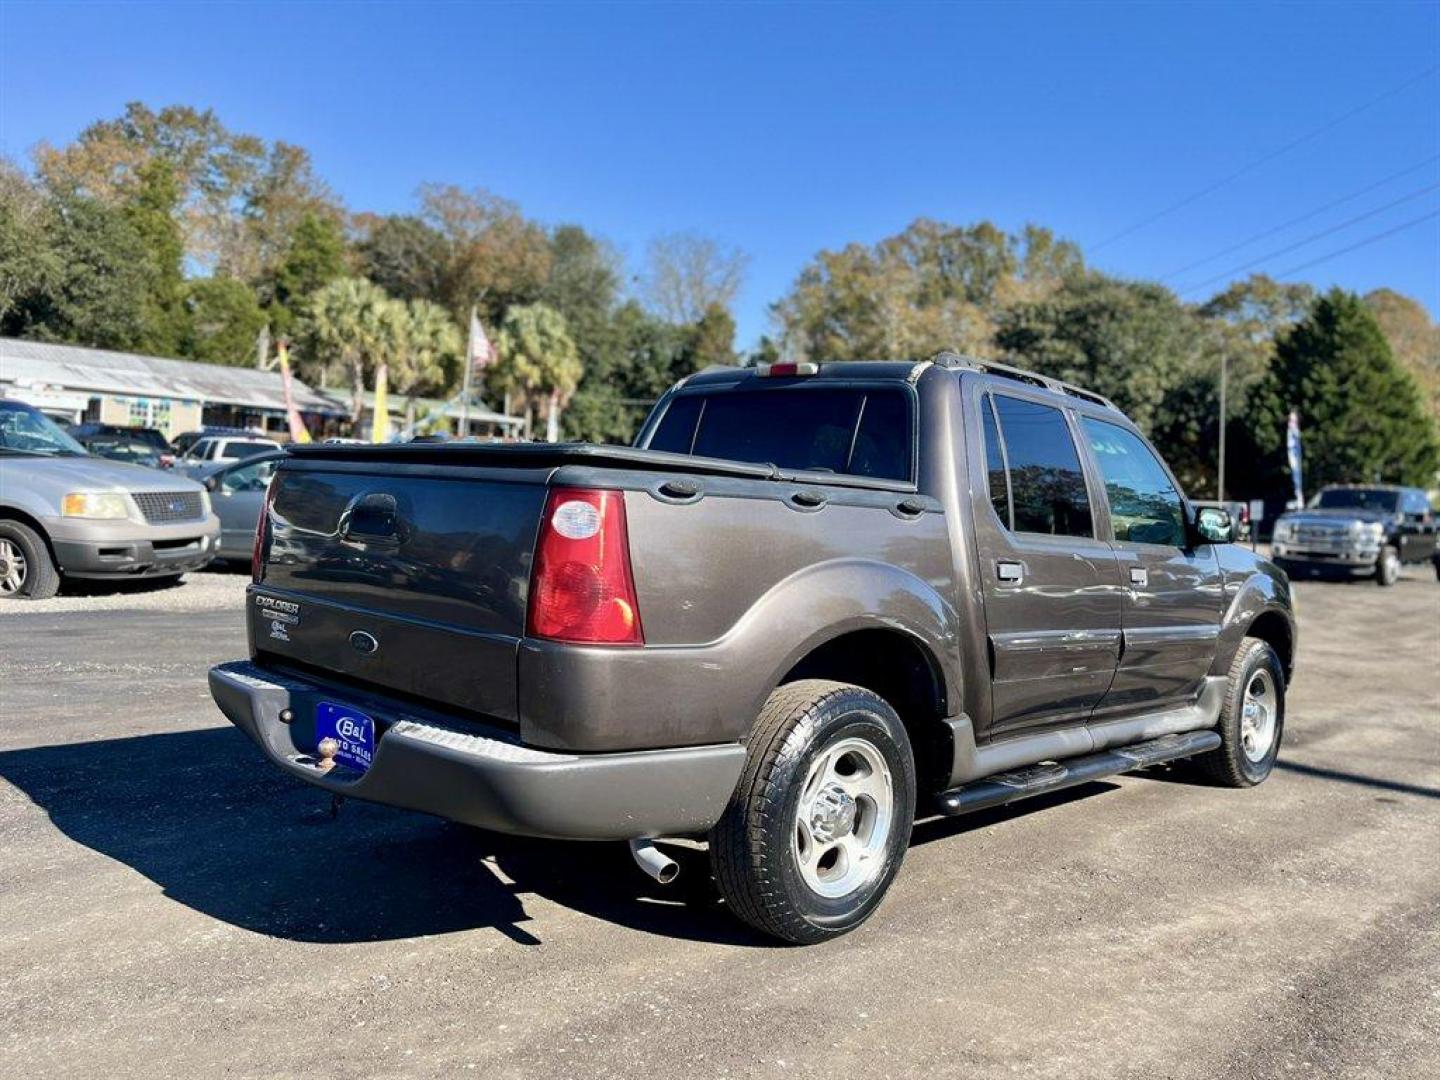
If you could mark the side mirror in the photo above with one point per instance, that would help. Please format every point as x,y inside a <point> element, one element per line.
<point>212,483</point>
<point>1212,525</point>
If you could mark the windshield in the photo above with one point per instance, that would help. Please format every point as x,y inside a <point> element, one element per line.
<point>1357,499</point>
<point>123,449</point>
<point>29,431</point>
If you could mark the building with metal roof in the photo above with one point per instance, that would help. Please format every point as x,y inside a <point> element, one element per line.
<point>75,384</point>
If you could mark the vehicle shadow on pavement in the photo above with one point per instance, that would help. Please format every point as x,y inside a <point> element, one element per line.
<point>204,817</point>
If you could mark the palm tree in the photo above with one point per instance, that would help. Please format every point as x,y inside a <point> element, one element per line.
<point>353,321</point>
<point>538,362</point>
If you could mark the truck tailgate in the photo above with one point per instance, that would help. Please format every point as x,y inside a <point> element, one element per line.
<point>358,553</point>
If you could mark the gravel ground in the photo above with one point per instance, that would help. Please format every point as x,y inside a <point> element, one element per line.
<point>209,590</point>
<point>171,905</point>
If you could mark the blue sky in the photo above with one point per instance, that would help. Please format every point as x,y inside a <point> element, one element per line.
<point>787,129</point>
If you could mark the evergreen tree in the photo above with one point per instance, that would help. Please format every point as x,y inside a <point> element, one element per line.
<point>1360,413</point>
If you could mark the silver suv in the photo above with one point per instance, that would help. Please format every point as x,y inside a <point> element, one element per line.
<point>65,513</point>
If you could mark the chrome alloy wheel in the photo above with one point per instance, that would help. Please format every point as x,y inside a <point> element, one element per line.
<point>12,567</point>
<point>1257,715</point>
<point>843,821</point>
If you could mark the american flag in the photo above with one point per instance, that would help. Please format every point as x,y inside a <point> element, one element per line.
<point>481,352</point>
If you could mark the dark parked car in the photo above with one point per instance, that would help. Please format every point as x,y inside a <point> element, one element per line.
<point>811,602</point>
<point>151,437</point>
<point>1369,530</point>
<point>237,494</point>
<point>122,448</point>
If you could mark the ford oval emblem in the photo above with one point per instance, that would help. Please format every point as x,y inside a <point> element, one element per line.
<point>364,643</point>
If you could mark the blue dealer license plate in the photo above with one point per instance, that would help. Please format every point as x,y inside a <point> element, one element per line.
<point>353,731</point>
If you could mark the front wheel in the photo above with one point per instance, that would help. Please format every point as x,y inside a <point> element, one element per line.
<point>1252,720</point>
<point>26,570</point>
<point>819,823</point>
<point>1387,569</point>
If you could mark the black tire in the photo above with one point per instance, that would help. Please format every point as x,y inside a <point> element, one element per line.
<point>1387,567</point>
<point>1229,764</point>
<point>37,579</point>
<point>753,848</point>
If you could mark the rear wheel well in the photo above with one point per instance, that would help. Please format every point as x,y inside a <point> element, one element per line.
<point>903,672</point>
<point>1271,628</point>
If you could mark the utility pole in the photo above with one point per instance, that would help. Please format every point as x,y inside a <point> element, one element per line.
<point>1224,365</point>
<point>465,391</point>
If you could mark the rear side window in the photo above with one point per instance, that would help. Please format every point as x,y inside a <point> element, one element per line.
<point>242,450</point>
<point>1145,508</point>
<point>1047,485</point>
<point>862,432</point>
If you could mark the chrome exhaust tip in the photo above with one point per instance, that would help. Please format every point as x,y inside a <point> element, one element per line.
<point>654,861</point>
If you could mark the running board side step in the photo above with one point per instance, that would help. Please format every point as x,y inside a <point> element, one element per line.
<point>1050,776</point>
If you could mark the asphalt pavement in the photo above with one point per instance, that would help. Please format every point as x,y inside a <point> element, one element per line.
<point>171,905</point>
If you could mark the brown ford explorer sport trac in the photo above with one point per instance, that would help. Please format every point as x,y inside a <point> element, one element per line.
<point>808,603</point>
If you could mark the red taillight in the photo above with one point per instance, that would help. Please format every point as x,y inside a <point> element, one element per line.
<point>581,588</point>
<point>257,553</point>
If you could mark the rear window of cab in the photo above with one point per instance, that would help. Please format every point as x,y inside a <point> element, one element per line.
<point>859,431</point>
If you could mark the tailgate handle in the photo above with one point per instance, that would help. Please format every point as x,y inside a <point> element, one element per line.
<point>373,518</point>
<point>808,500</point>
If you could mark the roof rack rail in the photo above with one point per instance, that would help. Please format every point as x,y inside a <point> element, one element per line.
<point>949,359</point>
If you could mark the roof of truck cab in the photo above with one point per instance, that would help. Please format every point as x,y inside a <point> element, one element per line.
<point>900,371</point>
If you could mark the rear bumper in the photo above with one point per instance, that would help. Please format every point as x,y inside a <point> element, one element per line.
<point>486,779</point>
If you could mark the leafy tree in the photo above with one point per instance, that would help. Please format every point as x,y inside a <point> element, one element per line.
<point>222,321</point>
<point>315,258</point>
<point>151,210</point>
<point>495,257</point>
<point>239,199</point>
<point>404,256</point>
<point>713,339</point>
<point>631,363</point>
<point>87,281</point>
<point>1131,341</point>
<point>934,286</point>
<point>1361,415</point>
<point>687,274</point>
<point>1414,339</point>
<point>29,265</point>
<point>538,361</point>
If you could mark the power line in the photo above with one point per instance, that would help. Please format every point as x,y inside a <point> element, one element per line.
<point>1409,197</point>
<point>1265,159</point>
<point>1301,219</point>
<point>1359,244</point>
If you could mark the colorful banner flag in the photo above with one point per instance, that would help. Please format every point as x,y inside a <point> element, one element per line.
<point>380,415</point>
<point>298,432</point>
<point>1292,455</point>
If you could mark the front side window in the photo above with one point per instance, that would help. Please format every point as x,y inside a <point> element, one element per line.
<point>1047,484</point>
<point>1145,507</point>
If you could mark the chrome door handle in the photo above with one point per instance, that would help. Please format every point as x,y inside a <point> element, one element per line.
<point>1009,571</point>
<point>1139,576</point>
